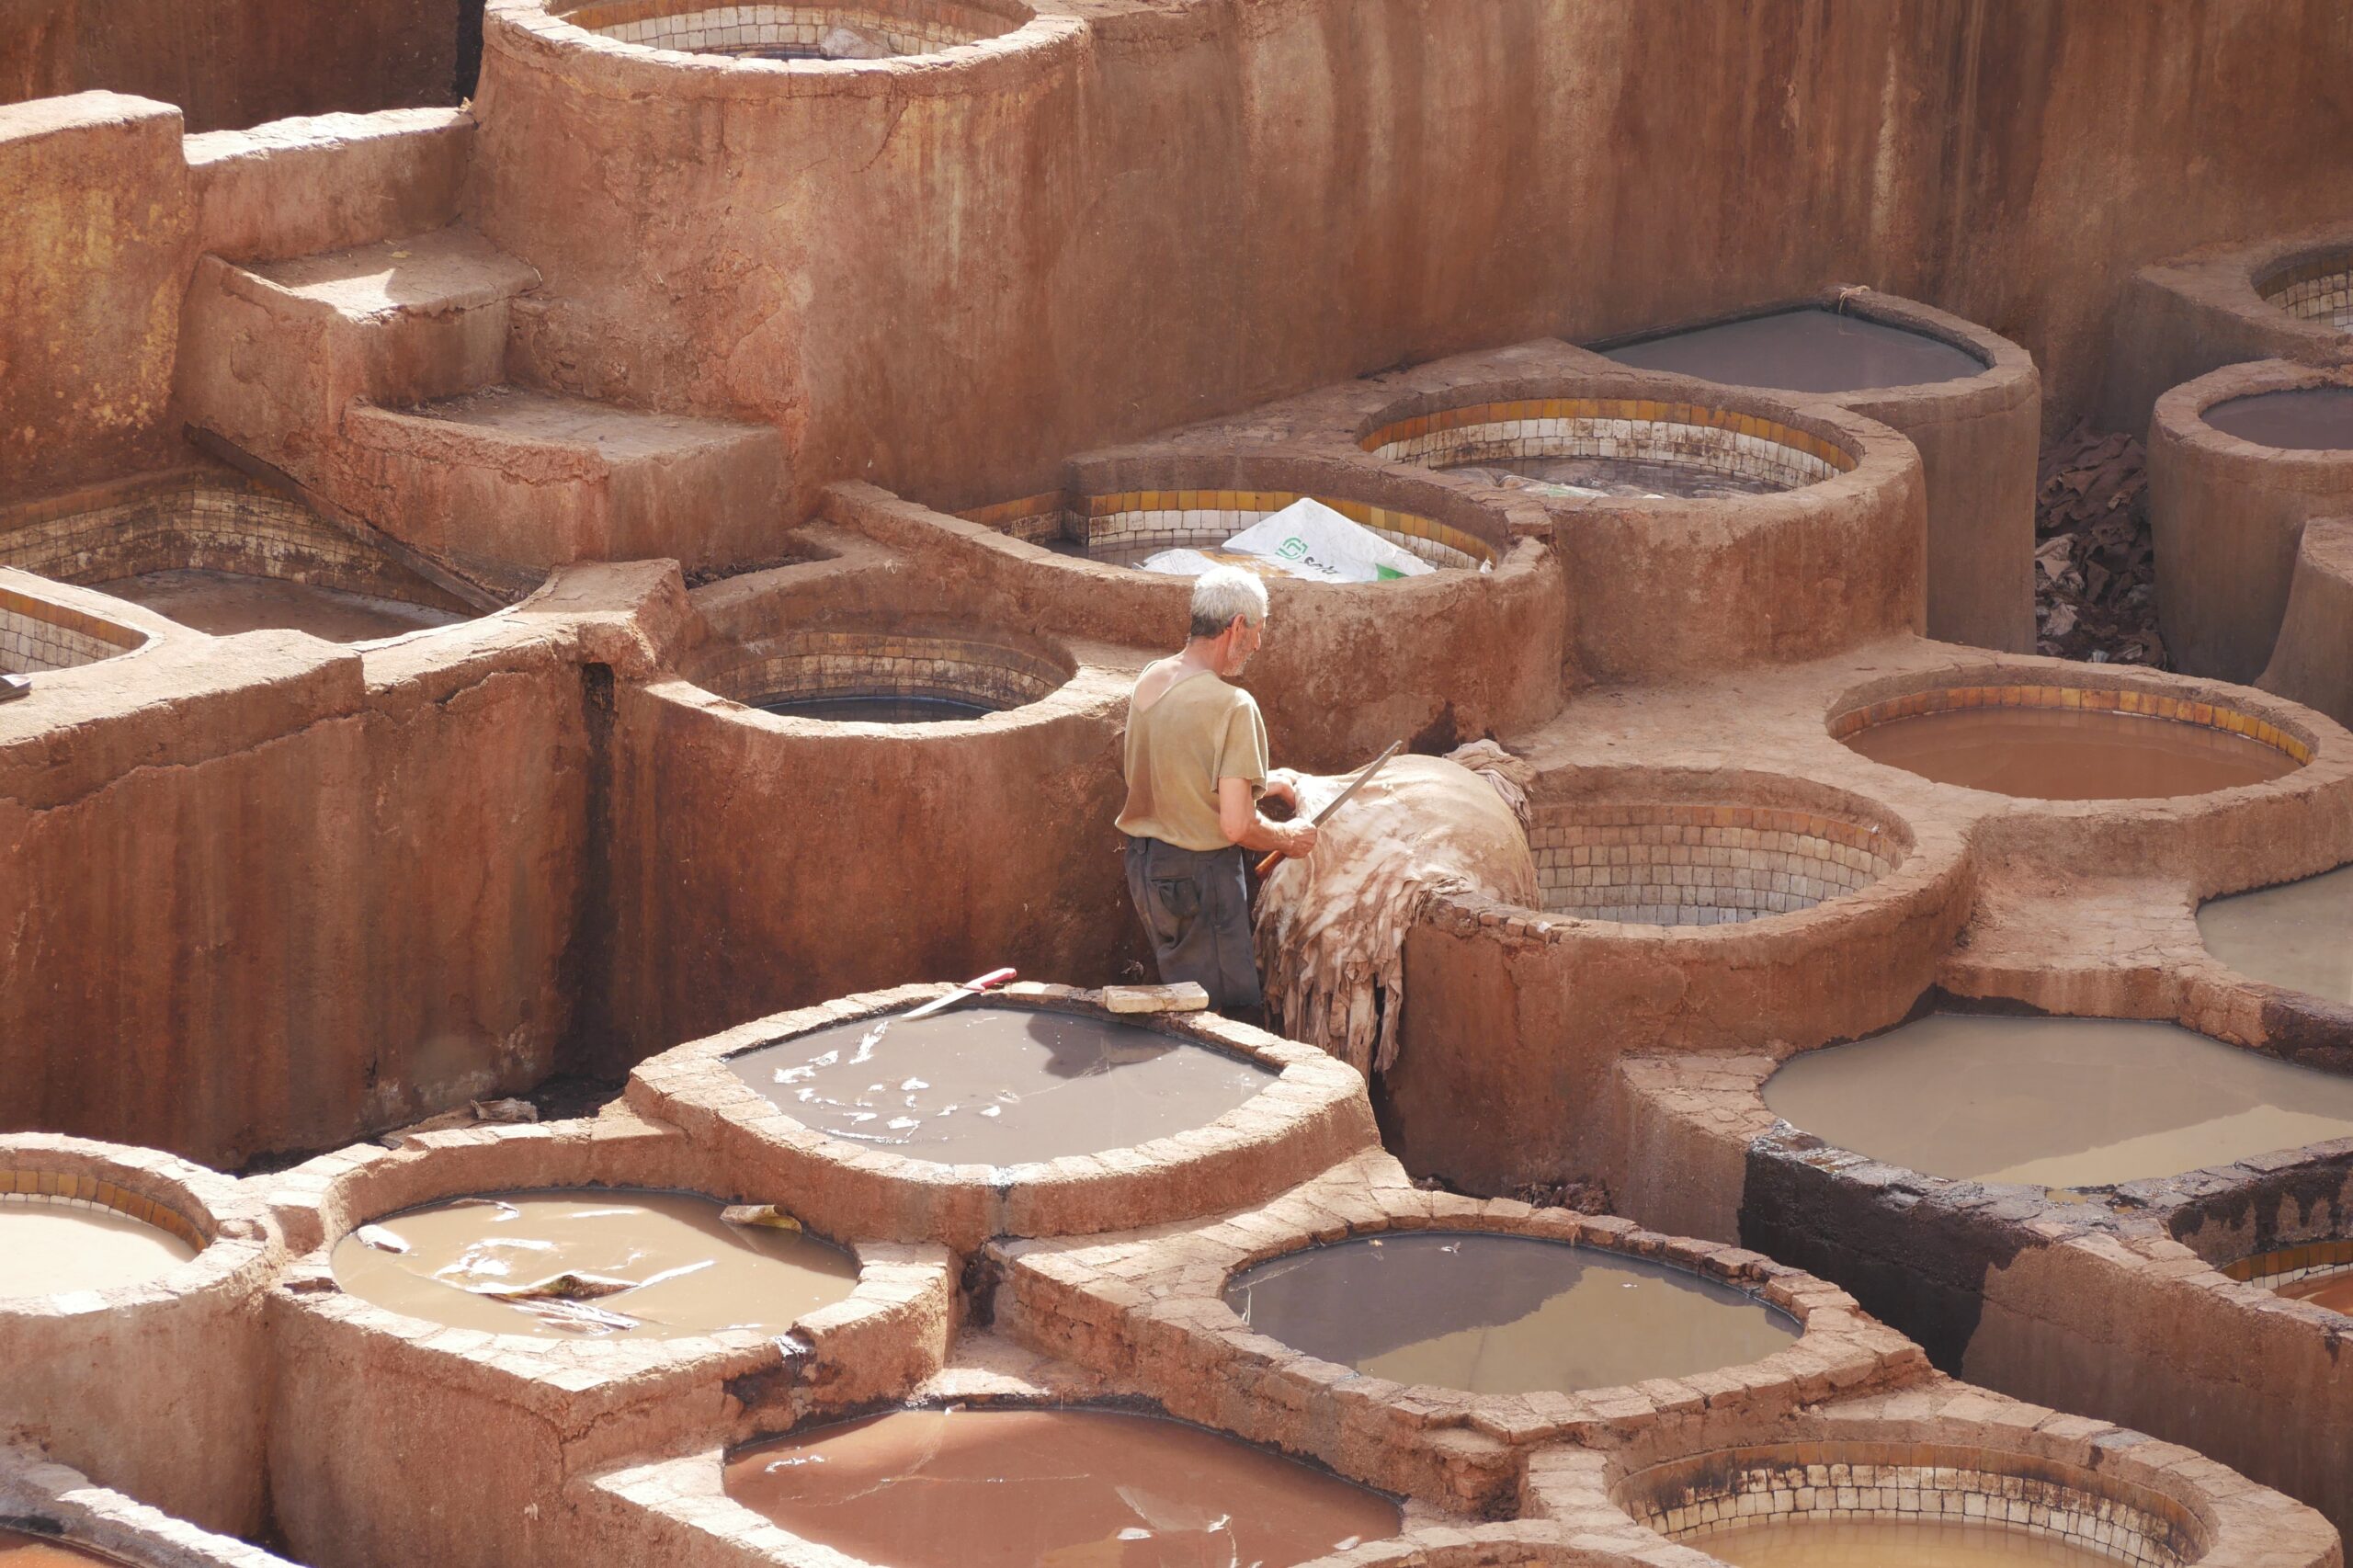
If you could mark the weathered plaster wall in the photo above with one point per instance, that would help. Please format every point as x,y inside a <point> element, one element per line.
<point>91,273</point>
<point>1184,211</point>
<point>235,63</point>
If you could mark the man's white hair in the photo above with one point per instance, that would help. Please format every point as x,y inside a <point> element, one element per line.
<point>1224,592</point>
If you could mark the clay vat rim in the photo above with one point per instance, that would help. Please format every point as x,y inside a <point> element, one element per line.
<point>2317,771</point>
<point>1788,1313</point>
<point>1835,1337</point>
<point>714,659</point>
<point>132,630</point>
<point>2179,419</point>
<point>2001,362</point>
<point>1931,850</point>
<point>345,1189</point>
<point>1463,1541</point>
<point>632,70</point>
<point>1007,1175</point>
<point>2090,1483</point>
<point>241,1255</point>
<point>128,1532</point>
<point>1351,479</point>
<point>1312,1112</point>
<point>2266,262</point>
<point>2143,1193</point>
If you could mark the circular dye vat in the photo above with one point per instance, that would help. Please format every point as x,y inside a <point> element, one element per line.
<point>50,1244</point>
<point>1502,1314</point>
<point>1809,350</point>
<point>226,603</point>
<point>881,709</point>
<point>1893,1543</point>
<point>20,1550</point>
<point>2311,419</point>
<point>623,1263</point>
<point>998,1085</point>
<point>1014,1488</point>
<point>2298,935</point>
<point>2056,1102</point>
<point>2069,753</point>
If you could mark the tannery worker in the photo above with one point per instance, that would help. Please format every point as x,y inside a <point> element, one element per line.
<point>1197,769</point>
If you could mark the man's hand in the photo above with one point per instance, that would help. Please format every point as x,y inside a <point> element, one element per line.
<point>1299,840</point>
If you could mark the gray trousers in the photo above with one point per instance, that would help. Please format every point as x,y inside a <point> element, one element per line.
<point>1194,905</point>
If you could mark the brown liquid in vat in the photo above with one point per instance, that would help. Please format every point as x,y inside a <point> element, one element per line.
<point>1809,350</point>
<point>2334,1291</point>
<point>18,1551</point>
<point>1050,1488</point>
<point>226,603</point>
<point>695,1272</point>
<point>1893,1543</point>
<point>2068,753</point>
<point>1502,1314</point>
<point>999,1086</point>
<point>2298,935</point>
<point>46,1247</point>
<point>2056,1102</point>
<point>2311,419</point>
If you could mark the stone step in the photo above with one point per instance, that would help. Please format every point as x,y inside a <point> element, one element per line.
<point>272,353</point>
<point>510,477</point>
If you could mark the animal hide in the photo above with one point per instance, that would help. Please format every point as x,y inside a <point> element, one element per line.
<point>1330,929</point>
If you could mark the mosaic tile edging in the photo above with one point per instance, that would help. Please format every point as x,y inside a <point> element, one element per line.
<point>1726,864</point>
<point>2149,704</point>
<point>1805,1479</point>
<point>37,635</point>
<point>2288,1265</point>
<point>787,32</point>
<point>1141,521</point>
<point>35,1185</point>
<point>2320,290</point>
<point>1648,429</point>
<point>862,664</point>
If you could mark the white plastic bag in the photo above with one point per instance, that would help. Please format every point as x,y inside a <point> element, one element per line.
<point>1309,539</point>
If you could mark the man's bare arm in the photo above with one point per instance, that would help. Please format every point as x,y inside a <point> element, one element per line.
<point>1239,818</point>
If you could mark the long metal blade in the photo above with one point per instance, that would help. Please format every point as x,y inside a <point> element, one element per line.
<point>1359,782</point>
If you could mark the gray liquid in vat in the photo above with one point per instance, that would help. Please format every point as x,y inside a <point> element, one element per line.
<point>887,709</point>
<point>2298,935</point>
<point>2056,1102</point>
<point>1810,350</point>
<point>227,603</point>
<point>999,1086</point>
<point>2311,419</point>
<point>1502,1314</point>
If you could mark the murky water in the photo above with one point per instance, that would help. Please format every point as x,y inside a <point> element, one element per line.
<point>19,1551</point>
<point>46,1247</point>
<point>2056,1102</point>
<point>883,710</point>
<point>999,1086</point>
<point>2300,419</point>
<point>226,603</point>
<point>2068,753</point>
<point>1502,1314</point>
<point>2334,1291</point>
<point>1893,1543</point>
<point>1810,350</point>
<point>623,1263</point>
<point>1051,1489</point>
<point>2298,935</point>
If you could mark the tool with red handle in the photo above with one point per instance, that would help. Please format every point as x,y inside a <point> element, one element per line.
<point>988,981</point>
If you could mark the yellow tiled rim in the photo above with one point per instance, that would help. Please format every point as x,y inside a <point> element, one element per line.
<point>82,1187</point>
<point>2148,704</point>
<point>2291,1262</point>
<point>1650,411</point>
<point>1028,518</point>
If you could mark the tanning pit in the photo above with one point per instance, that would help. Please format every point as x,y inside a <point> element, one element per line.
<point>855,676</point>
<point>880,29</point>
<point>43,630</point>
<point>2067,742</point>
<point>1591,447</point>
<point>2316,287</point>
<point>594,1261</point>
<point>1127,526</point>
<point>1502,1314</point>
<point>2051,1102</point>
<point>1035,1113</point>
<point>996,1487</point>
<point>2317,1273</point>
<point>2298,935</point>
<point>1814,348</point>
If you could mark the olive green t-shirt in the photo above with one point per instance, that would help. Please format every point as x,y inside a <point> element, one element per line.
<point>1200,731</point>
